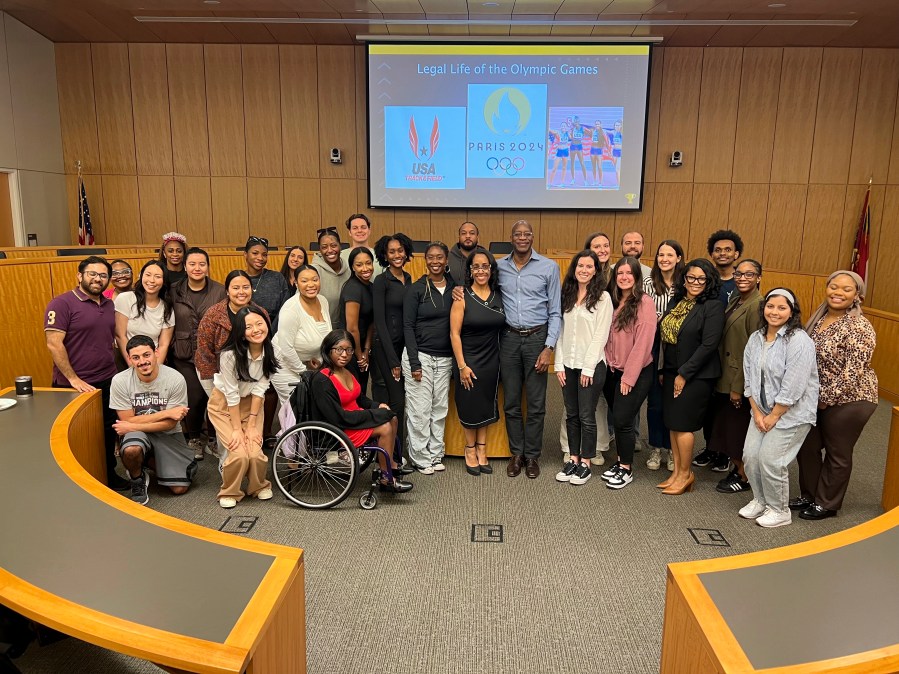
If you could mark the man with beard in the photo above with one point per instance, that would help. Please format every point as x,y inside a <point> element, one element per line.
<point>632,246</point>
<point>725,248</point>
<point>151,400</point>
<point>468,241</point>
<point>79,327</point>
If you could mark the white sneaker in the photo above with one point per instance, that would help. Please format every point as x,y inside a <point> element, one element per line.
<point>427,470</point>
<point>264,494</point>
<point>598,460</point>
<point>774,518</point>
<point>227,502</point>
<point>212,448</point>
<point>670,464</point>
<point>654,462</point>
<point>197,445</point>
<point>752,510</point>
<point>438,466</point>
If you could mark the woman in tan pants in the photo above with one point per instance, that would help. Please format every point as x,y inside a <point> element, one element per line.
<point>246,364</point>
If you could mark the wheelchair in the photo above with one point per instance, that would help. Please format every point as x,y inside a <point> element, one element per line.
<point>316,466</point>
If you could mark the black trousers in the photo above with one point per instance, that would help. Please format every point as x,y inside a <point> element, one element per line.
<point>388,390</point>
<point>624,409</point>
<point>197,399</point>
<point>109,418</point>
<point>517,357</point>
<point>580,410</point>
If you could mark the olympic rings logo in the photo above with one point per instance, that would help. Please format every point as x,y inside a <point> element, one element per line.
<point>508,165</point>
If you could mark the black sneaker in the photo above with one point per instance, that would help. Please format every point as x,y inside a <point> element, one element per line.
<point>139,489</point>
<point>704,458</point>
<point>800,503</point>
<point>610,473</point>
<point>622,478</point>
<point>567,471</point>
<point>721,463</point>
<point>581,473</point>
<point>119,483</point>
<point>732,484</point>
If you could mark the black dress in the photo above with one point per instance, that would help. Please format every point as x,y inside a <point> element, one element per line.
<point>480,345</point>
<point>356,291</point>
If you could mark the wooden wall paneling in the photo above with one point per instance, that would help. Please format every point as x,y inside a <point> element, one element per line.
<point>230,217</point>
<point>115,126</point>
<point>157,207</point>
<point>796,107</point>
<point>823,228</point>
<point>150,101</point>
<point>718,104</point>
<point>855,197</point>
<point>63,276</point>
<point>338,200</point>
<point>893,176</point>
<point>490,225</point>
<point>677,121</point>
<point>554,226</point>
<point>671,213</point>
<point>187,109</point>
<point>875,116</point>
<point>445,225</point>
<point>652,119</point>
<point>265,199</point>
<point>630,221</point>
<point>882,277</point>
<point>783,231</point>
<point>302,210</point>
<point>535,219</point>
<point>834,121</point>
<point>415,223</point>
<point>361,116</point>
<point>193,208</point>
<point>22,327</point>
<point>336,110</point>
<point>802,285</point>
<point>709,213</point>
<point>262,110</point>
<point>757,116</point>
<point>299,110</point>
<point>748,215</point>
<point>224,109</point>
<point>382,219</point>
<point>77,114</point>
<point>93,188</point>
<point>122,209</point>
<point>589,222</point>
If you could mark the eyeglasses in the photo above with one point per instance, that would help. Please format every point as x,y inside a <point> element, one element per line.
<point>348,350</point>
<point>121,273</point>
<point>96,274</point>
<point>255,240</point>
<point>695,280</point>
<point>523,235</point>
<point>480,267</point>
<point>327,230</point>
<point>745,274</point>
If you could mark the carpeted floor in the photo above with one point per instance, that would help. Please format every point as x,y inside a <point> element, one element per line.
<point>576,585</point>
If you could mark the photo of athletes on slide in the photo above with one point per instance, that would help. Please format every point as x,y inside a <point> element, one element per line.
<point>584,148</point>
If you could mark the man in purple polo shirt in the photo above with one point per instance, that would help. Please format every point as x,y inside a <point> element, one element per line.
<point>80,330</point>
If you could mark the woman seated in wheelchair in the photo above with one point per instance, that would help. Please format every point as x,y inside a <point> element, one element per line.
<point>339,401</point>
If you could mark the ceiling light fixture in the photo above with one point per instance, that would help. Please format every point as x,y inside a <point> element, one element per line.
<point>490,4</point>
<point>777,5</point>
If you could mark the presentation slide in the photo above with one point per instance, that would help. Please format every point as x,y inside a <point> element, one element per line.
<point>514,126</point>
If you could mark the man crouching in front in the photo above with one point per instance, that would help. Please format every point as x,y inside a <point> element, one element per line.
<point>151,400</point>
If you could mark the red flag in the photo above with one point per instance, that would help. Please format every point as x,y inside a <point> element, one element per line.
<point>860,250</point>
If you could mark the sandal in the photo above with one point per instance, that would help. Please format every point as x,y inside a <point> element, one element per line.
<point>485,467</point>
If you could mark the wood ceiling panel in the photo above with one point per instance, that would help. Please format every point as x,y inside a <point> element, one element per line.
<point>288,33</point>
<point>48,25</point>
<point>189,32</point>
<point>333,33</point>
<point>444,6</point>
<point>124,25</point>
<point>626,29</point>
<point>248,33</point>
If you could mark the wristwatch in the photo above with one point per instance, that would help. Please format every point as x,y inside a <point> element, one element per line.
<point>551,348</point>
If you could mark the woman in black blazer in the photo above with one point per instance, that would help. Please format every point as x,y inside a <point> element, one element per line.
<point>691,331</point>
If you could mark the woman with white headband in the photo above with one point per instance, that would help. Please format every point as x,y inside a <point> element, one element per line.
<point>781,383</point>
<point>844,343</point>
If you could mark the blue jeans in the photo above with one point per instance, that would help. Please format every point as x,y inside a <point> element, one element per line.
<point>766,459</point>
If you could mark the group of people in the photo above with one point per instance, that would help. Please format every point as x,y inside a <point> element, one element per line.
<point>188,366</point>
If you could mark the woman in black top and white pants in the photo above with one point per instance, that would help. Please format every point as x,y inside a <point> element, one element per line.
<point>388,292</point>
<point>428,361</point>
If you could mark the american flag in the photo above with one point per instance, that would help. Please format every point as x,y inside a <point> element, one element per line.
<point>85,231</point>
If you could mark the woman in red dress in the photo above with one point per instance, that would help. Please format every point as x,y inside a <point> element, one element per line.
<point>339,400</point>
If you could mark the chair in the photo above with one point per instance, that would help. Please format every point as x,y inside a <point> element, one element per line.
<point>78,252</point>
<point>2,255</point>
<point>500,247</point>
<point>420,246</point>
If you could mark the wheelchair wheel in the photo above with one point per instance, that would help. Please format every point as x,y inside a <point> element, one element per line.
<point>368,500</point>
<point>315,465</point>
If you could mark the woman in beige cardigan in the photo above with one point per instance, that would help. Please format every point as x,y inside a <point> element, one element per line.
<point>732,411</point>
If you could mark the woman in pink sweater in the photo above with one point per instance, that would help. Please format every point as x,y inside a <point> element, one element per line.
<point>629,359</point>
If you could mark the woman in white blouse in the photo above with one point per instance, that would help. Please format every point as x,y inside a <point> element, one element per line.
<point>586,320</point>
<point>302,325</point>
<point>146,310</point>
<point>246,365</point>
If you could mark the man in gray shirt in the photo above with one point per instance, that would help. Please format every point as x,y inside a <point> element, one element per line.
<point>151,400</point>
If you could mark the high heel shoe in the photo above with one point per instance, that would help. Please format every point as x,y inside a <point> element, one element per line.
<point>665,484</point>
<point>397,486</point>
<point>677,491</point>
<point>471,470</point>
<point>485,467</point>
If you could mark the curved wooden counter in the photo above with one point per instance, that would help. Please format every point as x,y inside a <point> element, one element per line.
<point>89,562</point>
<point>826,605</point>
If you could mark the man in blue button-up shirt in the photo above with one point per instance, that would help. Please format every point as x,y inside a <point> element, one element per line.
<point>532,301</point>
